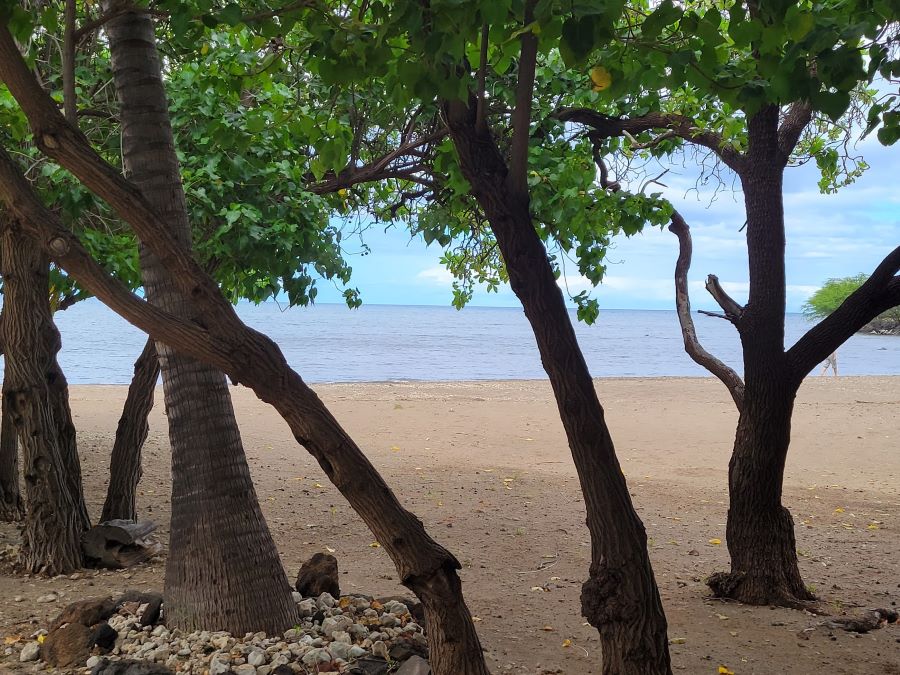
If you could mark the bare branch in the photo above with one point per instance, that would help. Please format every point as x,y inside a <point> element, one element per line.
<point>733,311</point>
<point>692,344</point>
<point>517,178</point>
<point>879,293</point>
<point>715,315</point>
<point>795,121</point>
<point>679,125</point>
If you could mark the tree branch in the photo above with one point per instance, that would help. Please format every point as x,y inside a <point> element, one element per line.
<point>378,169</point>
<point>733,311</point>
<point>795,121</point>
<point>68,64</point>
<point>683,127</point>
<point>517,178</point>
<point>692,345</point>
<point>482,72</point>
<point>879,293</point>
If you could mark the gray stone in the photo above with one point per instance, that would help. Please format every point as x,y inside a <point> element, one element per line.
<point>256,658</point>
<point>218,666</point>
<point>245,669</point>
<point>414,665</point>
<point>340,650</point>
<point>307,607</point>
<point>325,601</point>
<point>334,624</point>
<point>357,652</point>
<point>30,652</point>
<point>93,661</point>
<point>317,655</point>
<point>50,597</point>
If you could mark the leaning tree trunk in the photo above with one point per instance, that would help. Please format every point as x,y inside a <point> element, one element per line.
<point>760,531</point>
<point>11,507</point>
<point>125,460</point>
<point>51,538</point>
<point>620,597</point>
<point>223,571</point>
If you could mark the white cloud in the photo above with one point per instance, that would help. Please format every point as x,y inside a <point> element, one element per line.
<point>437,275</point>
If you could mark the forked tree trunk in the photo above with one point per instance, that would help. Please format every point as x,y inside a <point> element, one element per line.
<point>223,571</point>
<point>51,538</point>
<point>620,597</point>
<point>11,508</point>
<point>125,459</point>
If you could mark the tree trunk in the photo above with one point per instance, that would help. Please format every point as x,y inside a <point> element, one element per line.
<point>223,571</point>
<point>620,597</point>
<point>125,459</point>
<point>11,508</point>
<point>760,531</point>
<point>54,518</point>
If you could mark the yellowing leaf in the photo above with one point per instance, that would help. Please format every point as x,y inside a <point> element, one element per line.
<point>601,78</point>
<point>715,542</point>
<point>872,526</point>
<point>724,671</point>
<point>395,448</point>
<point>204,50</point>
<point>677,641</point>
<point>567,643</point>
<point>374,544</point>
<point>343,192</point>
<point>41,638</point>
<point>344,602</point>
<point>11,639</point>
<point>839,510</point>
<point>318,485</point>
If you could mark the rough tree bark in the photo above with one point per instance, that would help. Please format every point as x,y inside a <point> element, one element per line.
<point>12,509</point>
<point>51,538</point>
<point>620,597</point>
<point>223,571</point>
<point>249,357</point>
<point>125,459</point>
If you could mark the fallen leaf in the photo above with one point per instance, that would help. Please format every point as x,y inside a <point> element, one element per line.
<point>41,638</point>
<point>724,671</point>
<point>329,549</point>
<point>567,643</point>
<point>715,542</point>
<point>395,448</point>
<point>374,544</point>
<point>11,639</point>
<point>721,616</point>
<point>839,510</point>
<point>476,619</point>
<point>677,641</point>
<point>549,629</point>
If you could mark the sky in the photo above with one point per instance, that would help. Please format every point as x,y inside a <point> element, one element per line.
<point>827,236</point>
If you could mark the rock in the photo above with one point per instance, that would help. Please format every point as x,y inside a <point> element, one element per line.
<point>104,636</point>
<point>86,612</point>
<point>218,667</point>
<point>380,649</point>
<point>67,646</point>
<point>93,661</point>
<point>415,608</point>
<point>150,615</point>
<point>405,648</point>
<point>245,669</point>
<point>129,667</point>
<point>50,597</point>
<point>263,670</point>
<point>370,666</point>
<point>307,607</point>
<point>318,575</point>
<point>256,658</point>
<point>325,601</point>
<point>317,655</point>
<point>415,665</point>
<point>282,670</point>
<point>340,650</point>
<point>30,652</point>
<point>335,624</point>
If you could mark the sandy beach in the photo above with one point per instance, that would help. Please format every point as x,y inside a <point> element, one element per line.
<point>486,467</point>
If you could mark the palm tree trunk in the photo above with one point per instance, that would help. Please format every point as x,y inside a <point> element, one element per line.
<point>55,517</point>
<point>125,460</point>
<point>223,571</point>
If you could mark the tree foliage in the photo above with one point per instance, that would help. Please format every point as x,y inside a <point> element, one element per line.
<point>833,292</point>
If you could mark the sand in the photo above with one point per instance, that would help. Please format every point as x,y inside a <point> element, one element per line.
<point>485,465</point>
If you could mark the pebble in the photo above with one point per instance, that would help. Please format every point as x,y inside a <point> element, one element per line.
<point>93,661</point>
<point>18,598</point>
<point>30,652</point>
<point>50,597</point>
<point>342,633</point>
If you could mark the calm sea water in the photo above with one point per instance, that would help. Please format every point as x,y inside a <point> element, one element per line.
<point>330,343</point>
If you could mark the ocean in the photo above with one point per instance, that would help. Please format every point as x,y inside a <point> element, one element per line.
<point>331,343</point>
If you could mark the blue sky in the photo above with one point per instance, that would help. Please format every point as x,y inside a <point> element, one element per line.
<point>827,236</point>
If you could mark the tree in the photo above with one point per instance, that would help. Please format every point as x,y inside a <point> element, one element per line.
<point>834,292</point>
<point>760,90</point>
<point>245,355</point>
<point>425,53</point>
<point>36,402</point>
<point>12,509</point>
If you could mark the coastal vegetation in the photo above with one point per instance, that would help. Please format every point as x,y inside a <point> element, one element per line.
<point>832,295</point>
<point>202,153</point>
